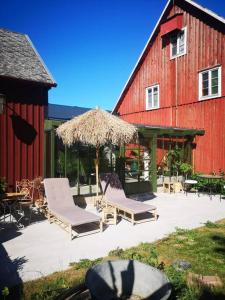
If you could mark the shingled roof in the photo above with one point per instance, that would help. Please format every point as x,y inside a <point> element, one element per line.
<point>19,59</point>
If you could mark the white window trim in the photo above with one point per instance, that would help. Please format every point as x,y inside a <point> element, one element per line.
<point>146,96</point>
<point>210,96</point>
<point>185,45</point>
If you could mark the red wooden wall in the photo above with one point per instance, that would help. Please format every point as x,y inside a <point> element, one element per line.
<point>22,131</point>
<point>178,80</point>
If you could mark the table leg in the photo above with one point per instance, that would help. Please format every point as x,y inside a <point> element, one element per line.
<point>210,186</point>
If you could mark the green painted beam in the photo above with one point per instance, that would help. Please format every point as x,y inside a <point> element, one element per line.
<point>49,124</point>
<point>52,153</point>
<point>149,132</point>
<point>153,166</point>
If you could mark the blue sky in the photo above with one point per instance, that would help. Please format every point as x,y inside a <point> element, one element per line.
<point>90,46</point>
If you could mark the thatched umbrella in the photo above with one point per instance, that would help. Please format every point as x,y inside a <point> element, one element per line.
<point>97,128</point>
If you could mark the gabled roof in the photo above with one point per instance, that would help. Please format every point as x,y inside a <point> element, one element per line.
<point>64,112</point>
<point>20,60</point>
<point>169,2</point>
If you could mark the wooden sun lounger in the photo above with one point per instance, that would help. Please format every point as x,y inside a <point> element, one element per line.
<point>129,209</point>
<point>61,207</point>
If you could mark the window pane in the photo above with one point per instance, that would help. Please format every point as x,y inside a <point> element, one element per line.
<point>205,92</point>
<point>214,90</point>
<point>156,100</point>
<point>174,45</point>
<point>155,89</point>
<point>214,81</point>
<point>174,50</point>
<point>205,76</point>
<point>205,84</point>
<point>181,42</point>
<point>150,98</point>
<point>181,49</point>
<point>214,74</point>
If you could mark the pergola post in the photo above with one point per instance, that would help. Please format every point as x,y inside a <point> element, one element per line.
<point>153,166</point>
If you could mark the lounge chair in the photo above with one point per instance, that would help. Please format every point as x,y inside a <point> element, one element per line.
<point>61,207</point>
<point>129,209</point>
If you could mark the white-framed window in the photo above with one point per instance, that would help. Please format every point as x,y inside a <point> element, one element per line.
<point>210,83</point>
<point>152,97</point>
<point>178,43</point>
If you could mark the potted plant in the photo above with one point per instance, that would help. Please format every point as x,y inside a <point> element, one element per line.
<point>185,169</point>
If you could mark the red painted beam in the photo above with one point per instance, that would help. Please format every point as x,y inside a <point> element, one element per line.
<point>174,23</point>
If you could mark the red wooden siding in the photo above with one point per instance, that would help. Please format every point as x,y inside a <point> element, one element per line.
<point>175,23</point>
<point>20,155</point>
<point>178,81</point>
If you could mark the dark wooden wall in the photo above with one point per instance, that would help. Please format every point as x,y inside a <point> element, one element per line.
<point>178,80</point>
<point>22,131</point>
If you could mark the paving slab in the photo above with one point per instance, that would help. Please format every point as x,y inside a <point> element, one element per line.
<point>42,248</point>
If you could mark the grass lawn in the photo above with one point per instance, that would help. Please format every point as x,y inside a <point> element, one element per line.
<point>204,248</point>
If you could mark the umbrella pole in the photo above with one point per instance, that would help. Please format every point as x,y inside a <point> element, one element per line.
<point>97,168</point>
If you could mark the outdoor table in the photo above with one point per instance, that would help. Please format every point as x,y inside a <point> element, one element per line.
<point>10,201</point>
<point>210,178</point>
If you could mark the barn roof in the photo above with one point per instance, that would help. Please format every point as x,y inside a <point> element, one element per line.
<point>20,60</point>
<point>146,48</point>
<point>64,112</point>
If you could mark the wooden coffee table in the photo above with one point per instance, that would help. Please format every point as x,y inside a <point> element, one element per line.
<point>109,215</point>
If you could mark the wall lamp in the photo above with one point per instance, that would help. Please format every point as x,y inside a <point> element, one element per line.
<point>2,103</point>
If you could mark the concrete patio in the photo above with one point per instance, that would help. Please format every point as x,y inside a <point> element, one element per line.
<point>41,248</point>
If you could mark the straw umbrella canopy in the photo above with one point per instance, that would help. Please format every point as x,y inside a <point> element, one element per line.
<point>97,128</point>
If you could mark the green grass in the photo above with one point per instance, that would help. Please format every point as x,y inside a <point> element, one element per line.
<point>204,248</point>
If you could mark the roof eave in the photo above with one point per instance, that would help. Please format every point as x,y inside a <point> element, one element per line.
<point>45,83</point>
<point>54,84</point>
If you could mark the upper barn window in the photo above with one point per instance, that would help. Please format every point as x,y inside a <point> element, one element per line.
<point>210,83</point>
<point>178,43</point>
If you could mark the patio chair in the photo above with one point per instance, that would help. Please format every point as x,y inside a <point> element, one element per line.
<point>26,187</point>
<point>39,197</point>
<point>129,209</point>
<point>62,210</point>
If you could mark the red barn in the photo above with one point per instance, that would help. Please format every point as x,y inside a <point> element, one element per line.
<point>179,81</point>
<point>24,85</point>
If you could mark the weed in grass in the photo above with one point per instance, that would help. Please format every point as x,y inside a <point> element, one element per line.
<point>145,253</point>
<point>180,231</point>
<point>178,281</point>
<point>117,252</point>
<point>144,246</point>
<point>50,290</point>
<point>210,224</point>
<point>85,263</point>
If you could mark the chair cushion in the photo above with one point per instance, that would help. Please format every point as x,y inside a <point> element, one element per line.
<point>190,181</point>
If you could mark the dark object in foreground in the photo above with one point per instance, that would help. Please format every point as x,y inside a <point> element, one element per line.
<point>127,279</point>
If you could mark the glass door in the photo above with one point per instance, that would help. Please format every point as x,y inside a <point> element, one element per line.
<point>137,168</point>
